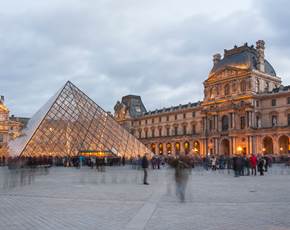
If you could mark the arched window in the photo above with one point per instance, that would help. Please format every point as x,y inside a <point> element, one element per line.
<point>267,86</point>
<point>243,86</point>
<point>225,123</point>
<point>227,89</point>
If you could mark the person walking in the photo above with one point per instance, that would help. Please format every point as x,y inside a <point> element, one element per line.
<point>247,165</point>
<point>145,164</point>
<point>253,164</point>
<point>261,165</point>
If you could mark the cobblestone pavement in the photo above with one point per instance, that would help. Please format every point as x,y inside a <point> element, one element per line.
<point>68,198</point>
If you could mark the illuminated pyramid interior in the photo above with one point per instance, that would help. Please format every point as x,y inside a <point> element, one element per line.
<point>71,122</point>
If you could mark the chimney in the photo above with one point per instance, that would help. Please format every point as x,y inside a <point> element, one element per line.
<point>216,58</point>
<point>260,47</point>
<point>2,98</point>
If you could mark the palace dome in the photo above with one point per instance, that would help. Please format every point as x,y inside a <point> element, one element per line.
<point>243,57</point>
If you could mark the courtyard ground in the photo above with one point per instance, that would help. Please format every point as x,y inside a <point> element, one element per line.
<point>69,198</point>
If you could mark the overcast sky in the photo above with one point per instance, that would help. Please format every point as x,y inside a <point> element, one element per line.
<point>159,49</point>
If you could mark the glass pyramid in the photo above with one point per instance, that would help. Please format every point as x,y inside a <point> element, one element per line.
<point>71,122</point>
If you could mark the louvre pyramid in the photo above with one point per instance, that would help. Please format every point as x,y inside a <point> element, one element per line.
<point>71,122</point>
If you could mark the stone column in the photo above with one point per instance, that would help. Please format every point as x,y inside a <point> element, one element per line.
<point>234,145</point>
<point>234,121</point>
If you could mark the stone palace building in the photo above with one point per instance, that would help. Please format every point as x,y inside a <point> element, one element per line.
<point>10,127</point>
<point>245,110</point>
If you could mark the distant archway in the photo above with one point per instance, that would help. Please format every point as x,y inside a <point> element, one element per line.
<point>225,147</point>
<point>196,148</point>
<point>283,144</point>
<point>267,145</point>
<point>160,146</point>
<point>186,147</point>
<point>153,148</point>
<point>177,148</point>
<point>169,148</point>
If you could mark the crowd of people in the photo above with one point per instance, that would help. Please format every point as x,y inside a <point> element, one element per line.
<point>241,165</point>
<point>48,161</point>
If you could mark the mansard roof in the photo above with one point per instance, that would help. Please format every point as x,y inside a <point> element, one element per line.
<point>173,108</point>
<point>243,57</point>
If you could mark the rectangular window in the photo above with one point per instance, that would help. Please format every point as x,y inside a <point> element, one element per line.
<point>175,117</point>
<point>152,120</point>
<point>288,119</point>
<point>193,129</point>
<point>184,115</point>
<point>160,119</point>
<point>273,102</point>
<point>168,131</point>
<point>176,131</point>
<point>146,122</point>
<point>193,114</point>
<point>258,122</point>
<point>257,103</point>
<point>140,122</point>
<point>184,130</point>
<point>139,133</point>
<point>288,100</point>
<point>153,132</point>
<point>146,133</point>
<point>243,122</point>
<point>210,124</point>
<point>160,132</point>
<point>167,118</point>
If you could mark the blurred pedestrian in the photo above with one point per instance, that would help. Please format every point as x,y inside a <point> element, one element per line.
<point>145,164</point>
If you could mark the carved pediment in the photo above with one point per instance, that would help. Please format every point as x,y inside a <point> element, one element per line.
<point>225,73</point>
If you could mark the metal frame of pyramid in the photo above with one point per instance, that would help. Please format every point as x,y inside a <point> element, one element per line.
<point>71,122</point>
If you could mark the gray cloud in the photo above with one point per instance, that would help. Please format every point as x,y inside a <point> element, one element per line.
<point>161,50</point>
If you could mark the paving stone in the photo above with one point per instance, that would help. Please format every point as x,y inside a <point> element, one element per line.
<point>69,198</point>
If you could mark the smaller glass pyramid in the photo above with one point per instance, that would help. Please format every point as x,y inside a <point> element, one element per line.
<point>71,122</point>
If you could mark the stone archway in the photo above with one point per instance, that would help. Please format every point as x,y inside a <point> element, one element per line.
<point>153,148</point>
<point>267,145</point>
<point>177,148</point>
<point>186,147</point>
<point>169,148</point>
<point>225,147</point>
<point>196,148</point>
<point>160,147</point>
<point>283,144</point>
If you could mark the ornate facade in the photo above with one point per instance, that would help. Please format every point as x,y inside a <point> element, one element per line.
<point>245,110</point>
<point>10,127</point>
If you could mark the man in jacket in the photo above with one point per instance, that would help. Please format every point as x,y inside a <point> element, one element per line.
<point>145,164</point>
